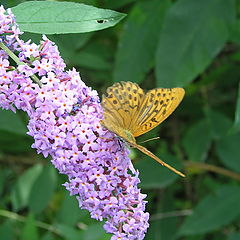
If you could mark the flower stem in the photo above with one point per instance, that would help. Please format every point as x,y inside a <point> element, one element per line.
<point>212,168</point>
<point>15,216</point>
<point>18,62</point>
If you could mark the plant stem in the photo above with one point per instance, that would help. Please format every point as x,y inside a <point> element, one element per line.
<point>212,168</point>
<point>11,54</point>
<point>180,213</point>
<point>18,62</point>
<point>15,216</point>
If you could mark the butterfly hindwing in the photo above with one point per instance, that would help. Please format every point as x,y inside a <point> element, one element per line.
<point>122,101</point>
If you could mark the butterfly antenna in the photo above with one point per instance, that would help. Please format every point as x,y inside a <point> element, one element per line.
<point>148,140</point>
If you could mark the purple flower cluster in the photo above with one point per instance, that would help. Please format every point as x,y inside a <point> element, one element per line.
<point>64,121</point>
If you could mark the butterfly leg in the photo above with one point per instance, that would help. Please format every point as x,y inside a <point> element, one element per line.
<point>108,139</point>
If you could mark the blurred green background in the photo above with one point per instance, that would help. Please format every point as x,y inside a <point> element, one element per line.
<point>160,43</point>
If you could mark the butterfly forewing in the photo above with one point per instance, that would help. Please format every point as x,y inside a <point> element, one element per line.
<point>159,103</point>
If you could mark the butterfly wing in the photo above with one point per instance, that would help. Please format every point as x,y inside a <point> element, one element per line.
<point>121,104</point>
<point>158,104</point>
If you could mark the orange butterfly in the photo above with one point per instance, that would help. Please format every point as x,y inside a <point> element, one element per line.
<point>129,112</point>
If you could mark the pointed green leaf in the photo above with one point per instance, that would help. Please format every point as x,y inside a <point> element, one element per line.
<point>193,33</point>
<point>10,121</point>
<point>70,233</point>
<point>234,236</point>
<point>199,134</point>
<point>137,46</point>
<point>213,212</point>
<point>94,232</point>
<point>228,152</point>
<point>42,189</point>
<point>236,126</point>
<point>219,124</point>
<point>154,175</point>
<point>69,213</point>
<point>7,230</point>
<point>63,17</point>
<point>29,230</point>
<point>48,236</point>
<point>21,191</point>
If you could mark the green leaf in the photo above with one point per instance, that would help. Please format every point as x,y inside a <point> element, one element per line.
<point>63,17</point>
<point>213,212</point>
<point>117,4</point>
<point>29,230</point>
<point>199,135</point>
<point>21,191</point>
<point>193,33</point>
<point>10,122</point>
<point>48,236</point>
<point>14,143</point>
<point>92,61</point>
<point>94,232</point>
<point>154,175</point>
<point>13,137</point>
<point>234,236</point>
<point>5,175</point>
<point>69,44</point>
<point>219,124</point>
<point>228,152</point>
<point>236,126</point>
<point>70,233</point>
<point>70,213</point>
<point>235,32</point>
<point>7,230</point>
<point>137,46</point>
<point>42,189</point>
<point>161,226</point>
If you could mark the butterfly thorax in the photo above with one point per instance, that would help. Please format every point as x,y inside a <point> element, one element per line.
<point>128,136</point>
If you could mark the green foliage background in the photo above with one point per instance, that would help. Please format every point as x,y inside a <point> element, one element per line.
<point>160,43</point>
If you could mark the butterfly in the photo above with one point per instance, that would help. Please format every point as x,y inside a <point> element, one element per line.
<point>130,112</point>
